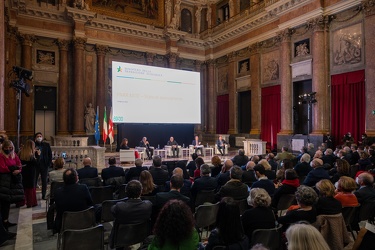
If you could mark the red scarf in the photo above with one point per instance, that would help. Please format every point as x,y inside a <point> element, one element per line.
<point>293,183</point>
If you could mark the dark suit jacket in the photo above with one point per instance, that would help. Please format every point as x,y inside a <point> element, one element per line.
<point>364,194</point>
<point>87,172</point>
<point>132,211</point>
<point>194,143</point>
<point>134,173</point>
<point>159,175</point>
<point>240,160</point>
<point>185,190</point>
<point>223,178</point>
<point>74,197</point>
<point>330,159</point>
<point>315,176</point>
<point>235,189</point>
<point>163,197</point>
<point>248,176</point>
<point>142,144</point>
<point>112,171</point>
<point>45,158</point>
<point>265,184</point>
<point>302,169</point>
<point>203,183</point>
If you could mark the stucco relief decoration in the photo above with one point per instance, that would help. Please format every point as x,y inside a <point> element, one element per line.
<point>270,66</point>
<point>302,48</point>
<point>347,45</point>
<point>222,79</point>
<point>45,57</point>
<point>148,12</point>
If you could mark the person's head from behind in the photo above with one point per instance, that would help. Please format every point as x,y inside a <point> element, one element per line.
<point>134,189</point>
<point>286,164</point>
<point>228,164</point>
<point>325,188</point>
<point>236,173</point>
<point>365,179</point>
<point>177,181</point>
<point>265,164</point>
<point>241,152</point>
<point>147,182</point>
<point>305,196</point>
<point>216,161</point>
<point>194,156</point>
<point>290,174</point>
<point>346,184</point>
<point>70,176</point>
<point>305,237</point>
<point>112,161</point>
<point>250,165</point>
<point>305,158</point>
<point>156,161</point>
<point>228,221</point>
<point>316,163</point>
<point>178,171</point>
<point>59,163</point>
<point>259,171</point>
<point>174,224</point>
<point>270,156</point>
<point>205,170</point>
<point>87,161</point>
<point>284,149</point>
<point>342,166</point>
<point>199,162</point>
<point>138,162</point>
<point>259,197</point>
<point>328,151</point>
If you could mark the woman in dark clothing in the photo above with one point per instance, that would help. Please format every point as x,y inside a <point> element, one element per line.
<point>229,231</point>
<point>260,216</point>
<point>342,169</point>
<point>216,162</point>
<point>288,186</point>
<point>327,204</point>
<point>306,198</point>
<point>124,144</point>
<point>29,159</point>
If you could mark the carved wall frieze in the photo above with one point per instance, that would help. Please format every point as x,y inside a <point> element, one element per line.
<point>150,57</point>
<point>13,32</point>
<point>172,57</point>
<point>79,43</point>
<point>63,44</point>
<point>27,39</point>
<point>79,15</point>
<point>283,7</point>
<point>318,24</point>
<point>284,35</point>
<point>231,56</point>
<point>368,7</point>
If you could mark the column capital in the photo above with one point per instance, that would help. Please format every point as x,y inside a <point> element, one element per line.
<point>79,42</point>
<point>13,32</point>
<point>101,50</point>
<point>27,39</point>
<point>284,35</point>
<point>319,23</point>
<point>63,44</point>
<point>210,62</point>
<point>172,57</point>
<point>150,57</point>
<point>198,65</point>
<point>368,7</point>
<point>231,56</point>
<point>255,48</point>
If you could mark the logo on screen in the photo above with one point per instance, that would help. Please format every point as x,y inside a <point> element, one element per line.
<point>119,69</point>
<point>118,119</point>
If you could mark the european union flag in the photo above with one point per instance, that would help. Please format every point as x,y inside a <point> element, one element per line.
<point>97,130</point>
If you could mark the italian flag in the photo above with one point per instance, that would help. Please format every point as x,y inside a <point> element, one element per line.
<point>105,125</point>
<point>110,128</point>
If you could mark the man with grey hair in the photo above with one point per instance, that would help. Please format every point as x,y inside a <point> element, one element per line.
<point>318,173</point>
<point>241,159</point>
<point>223,176</point>
<point>134,172</point>
<point>205,182</point>
<point>328,157</point>
<point>365,192</point>
<point>248,176</point>
<point>234,187</point>
<point>303,167</point>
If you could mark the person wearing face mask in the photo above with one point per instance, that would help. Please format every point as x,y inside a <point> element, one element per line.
<point>318,173</point>
<point>348,139</point>
<point>11,190</point>
<point>45,161</point>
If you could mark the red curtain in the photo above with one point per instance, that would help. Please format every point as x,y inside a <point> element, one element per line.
<point>348,105</point>
<point>222,114</point>
<point>271,119</point>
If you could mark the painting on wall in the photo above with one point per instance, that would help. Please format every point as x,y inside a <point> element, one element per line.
<point>347,44</point>
<point>149,12</point>
<point>270,65</point>
<point>222,79</point>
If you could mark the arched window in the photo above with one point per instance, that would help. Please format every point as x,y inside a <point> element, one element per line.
<point>186,21</point>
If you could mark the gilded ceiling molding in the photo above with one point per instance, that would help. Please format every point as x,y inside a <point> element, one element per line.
<point>63,44</point>
<point>368,7</point>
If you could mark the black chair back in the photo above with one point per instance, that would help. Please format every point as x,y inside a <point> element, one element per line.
<point>91,182</point>
<point>149,198</point>
<point>129,234</point>
<point>205,216</point>
<point>90,238</point>
<point>349,214</point>
<point>285,201</point>
<point>270,238</point>
<point>106,215</point>
<point>100,194</point>
<point>366,210</point>
<point>121,192</point>
<point>205,196</point>
<point>78,220</point>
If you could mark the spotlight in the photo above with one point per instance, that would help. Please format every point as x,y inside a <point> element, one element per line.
<point>23,73</point>
<point>314,101</point>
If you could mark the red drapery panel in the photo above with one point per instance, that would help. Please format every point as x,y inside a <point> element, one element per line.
<point>348,105</point>
<point>271,119</point>
<point>222,114</point>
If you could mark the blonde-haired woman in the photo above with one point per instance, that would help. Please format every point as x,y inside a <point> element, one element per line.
<point>344,193</point>
<point>305,237</point>
<point>10,169</point>
<point>327,204</point>
<point>260,216</point>
<point>29,158</point>
<point>271,175</point>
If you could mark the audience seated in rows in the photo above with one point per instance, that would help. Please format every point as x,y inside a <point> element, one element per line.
<point>327,204</point>
<point>248,176</point>
<point>288,186</point>
<point>234,187</point>
<point>271,160</point>
<point>366,192</point>
<point>284,154</point>
<point>112,171</point>
<point>147,182</point>
<point>198,163</point>
<point>344,193</point>
<point>134,172</point>
<point>57,174</point>
<point>186,187</point>
<point>303,167</point>
<point>262,180</point>
<point>280,174</point>
<point>205,182</point>
<point>87,171</point>
<point>271,175</point>
<point>342,168</point>
<point>318,173</point>
<point>159,175</point>
<point>328,157</point>
<point>191,165</point>
<point>302,236</point>
<point>216,162</point>
<point>240,159</point>
<point>223,177</point>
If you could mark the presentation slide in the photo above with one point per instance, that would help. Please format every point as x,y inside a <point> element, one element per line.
<point>146,94</point>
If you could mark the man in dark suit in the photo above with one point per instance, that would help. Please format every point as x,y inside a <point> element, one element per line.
<point>197,145</point>
<point>221,144</point>
<point>241,159</point>
<point>71,197</point>
<point>223,176</point>
<point>205,182</point>
<point>248,176</point>
<point>45,161</point>
<point>159,175</point>
<point>366,192</point>
<point>318,173</point>
<point>135,172</point>
<point>271,160</point>
<point>133,210</point>
<point>234,187</point>
<point>87,171</point>
<point>163,197</point>
<point>174,146</point>
<point>263,181</point>
<point>186,187</point>
<point>149,150</point>
<point>328,157</point>
<point>112,171</point>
